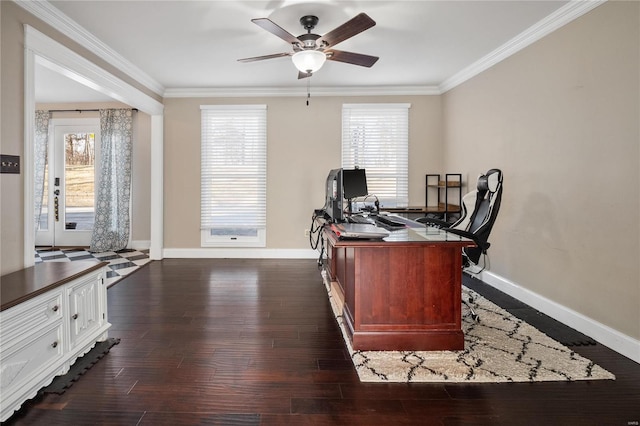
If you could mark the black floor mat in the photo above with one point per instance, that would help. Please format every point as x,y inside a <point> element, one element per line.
<point>553,328</point>
<point>61,383</point>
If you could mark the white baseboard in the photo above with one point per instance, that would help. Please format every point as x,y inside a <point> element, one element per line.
<point>245,253</point>
<point>619,342</point>
<point>140,245</point>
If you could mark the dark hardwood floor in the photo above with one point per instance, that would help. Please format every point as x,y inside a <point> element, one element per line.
<point>248,342</point>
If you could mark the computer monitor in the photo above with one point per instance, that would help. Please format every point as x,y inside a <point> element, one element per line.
<point>334,196</point>
<point>354,183</point>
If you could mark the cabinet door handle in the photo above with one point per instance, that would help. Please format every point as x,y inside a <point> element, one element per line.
<point>54,344</point>
<point>75,316</point>
<point>55,308</point>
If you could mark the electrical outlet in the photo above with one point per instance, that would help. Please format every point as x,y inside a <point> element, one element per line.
<point>10,164</point>
<point>306,232</point>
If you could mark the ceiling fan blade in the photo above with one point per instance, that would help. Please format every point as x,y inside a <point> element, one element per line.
<point>260,58</point>
<point>351,58</point>
<point>273,28</point>
<point>347,30</point>
<point>302,75</point>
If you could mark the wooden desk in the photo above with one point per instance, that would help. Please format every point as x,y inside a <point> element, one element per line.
<point>403,292</point>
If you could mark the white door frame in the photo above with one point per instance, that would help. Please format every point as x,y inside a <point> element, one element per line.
<point>45,51</point>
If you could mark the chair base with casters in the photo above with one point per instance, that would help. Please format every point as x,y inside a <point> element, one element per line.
<point>478,213</point>
<point>468,302</point>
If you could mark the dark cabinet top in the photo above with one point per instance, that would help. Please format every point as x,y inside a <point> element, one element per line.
<point>28,283</point>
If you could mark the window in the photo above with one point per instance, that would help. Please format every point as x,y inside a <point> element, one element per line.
<point>375,137</point>
<point>233,175</point>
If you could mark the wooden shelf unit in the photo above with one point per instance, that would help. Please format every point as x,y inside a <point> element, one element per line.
<point>447,204</point>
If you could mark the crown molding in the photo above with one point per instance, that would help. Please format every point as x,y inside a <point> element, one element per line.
<point>61,59</point>
<point>572,10</point>
<point>43,10</point>
<point>231,92</point>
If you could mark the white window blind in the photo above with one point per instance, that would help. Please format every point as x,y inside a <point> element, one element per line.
<point>375,137</point>
<point>233,175</point>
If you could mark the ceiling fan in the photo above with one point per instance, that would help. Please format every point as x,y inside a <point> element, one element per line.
<point>311,50</point>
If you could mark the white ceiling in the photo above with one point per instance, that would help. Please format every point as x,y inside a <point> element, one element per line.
<point>194,45</point>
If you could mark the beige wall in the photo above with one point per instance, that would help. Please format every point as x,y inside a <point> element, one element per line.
<point>561,119</point>
<point>11,136</point>
<point>303,144</point>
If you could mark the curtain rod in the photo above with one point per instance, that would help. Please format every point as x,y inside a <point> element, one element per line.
<point>82,110</point>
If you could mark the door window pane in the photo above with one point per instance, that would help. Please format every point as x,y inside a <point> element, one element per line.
<point>43,220</point>
<point>79,180</point>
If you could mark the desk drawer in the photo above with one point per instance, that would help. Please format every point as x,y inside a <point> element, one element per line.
<point>30,316</point>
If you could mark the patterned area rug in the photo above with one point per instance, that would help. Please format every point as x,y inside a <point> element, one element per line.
<point>498,348</point>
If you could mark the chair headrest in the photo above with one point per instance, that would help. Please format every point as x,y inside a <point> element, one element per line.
<point>490,181</point>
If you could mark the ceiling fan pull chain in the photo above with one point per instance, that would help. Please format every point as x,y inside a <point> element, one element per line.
<point>308,90</point>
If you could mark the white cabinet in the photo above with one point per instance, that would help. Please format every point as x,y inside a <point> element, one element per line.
<point>50,316</point>
<point>87,310</point>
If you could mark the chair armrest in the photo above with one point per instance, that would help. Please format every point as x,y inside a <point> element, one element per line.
<point>482,245</point>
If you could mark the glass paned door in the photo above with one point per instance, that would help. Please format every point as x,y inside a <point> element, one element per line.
<point>68,206</point>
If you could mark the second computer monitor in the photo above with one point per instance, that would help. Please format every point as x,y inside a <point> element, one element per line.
<point>354,183</point>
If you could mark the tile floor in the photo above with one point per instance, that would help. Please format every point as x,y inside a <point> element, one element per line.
<point>121,263</point>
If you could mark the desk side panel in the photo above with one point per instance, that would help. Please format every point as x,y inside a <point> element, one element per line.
<point>443,286</point>
<point>407,288</point>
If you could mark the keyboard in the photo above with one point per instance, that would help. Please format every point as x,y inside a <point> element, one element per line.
<point>384,220</point>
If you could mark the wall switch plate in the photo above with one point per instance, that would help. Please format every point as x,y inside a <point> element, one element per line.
<point>9,164</point>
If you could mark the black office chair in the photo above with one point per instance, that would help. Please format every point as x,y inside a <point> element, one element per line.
<point>479,211</point>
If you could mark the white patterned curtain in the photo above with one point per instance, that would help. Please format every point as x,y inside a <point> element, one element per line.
<point>41,144</point>
<point>113,193</point>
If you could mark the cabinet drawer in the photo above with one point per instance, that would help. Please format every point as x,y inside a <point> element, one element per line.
<point>30,316</point>
<point>26,359</point>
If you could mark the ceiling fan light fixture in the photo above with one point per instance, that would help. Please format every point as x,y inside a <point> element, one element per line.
<point>309,61</point>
